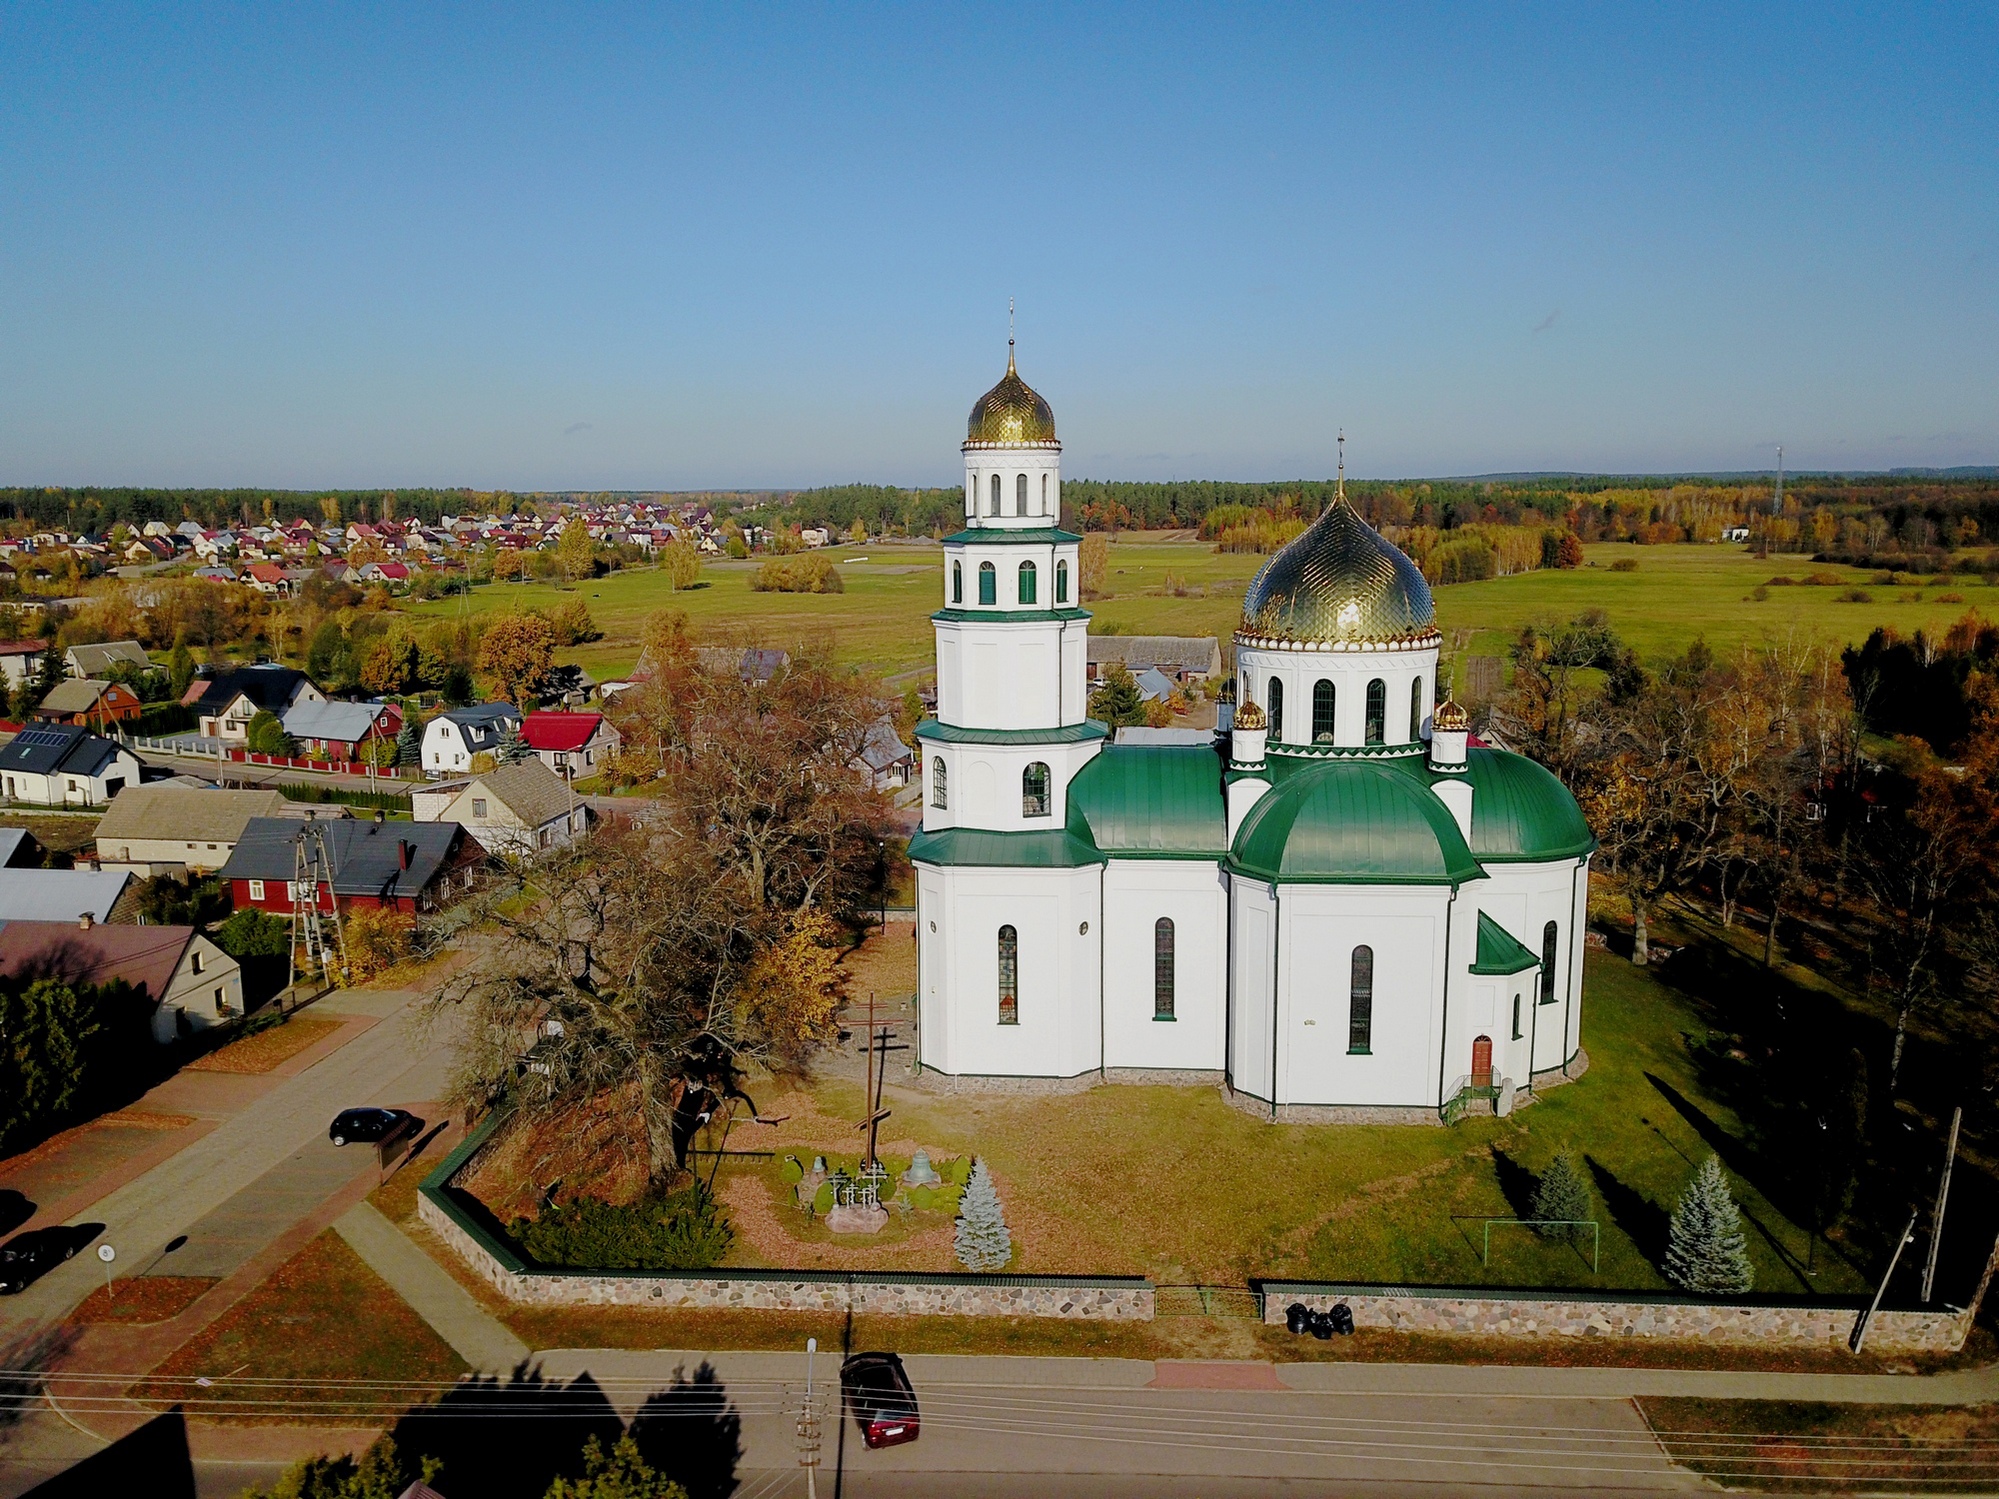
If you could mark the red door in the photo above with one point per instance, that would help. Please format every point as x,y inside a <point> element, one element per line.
<point>1481,1062</point>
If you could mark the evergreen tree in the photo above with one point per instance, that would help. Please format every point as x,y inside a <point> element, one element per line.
<point>513,749</point>
<point>50,675</point>
<point>1705,1248</point>
<point>180,666</point>
<point>1563,1193</point>
<point>409,743</point>
<point>1117,702</point>
<point>983,1243</point>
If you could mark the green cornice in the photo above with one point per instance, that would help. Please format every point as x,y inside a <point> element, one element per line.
<point>993,614</point>
<point>976,847</point>
<point>1075,733</point>
<point>1038,536</point>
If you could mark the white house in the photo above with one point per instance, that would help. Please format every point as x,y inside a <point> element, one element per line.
<point>192,983</point>
<point>226,701</point>
<point>65,765</point>
<point>451,739</point>
<point>1339,907</point>
<point>513,809</point>
<point>573,745</point>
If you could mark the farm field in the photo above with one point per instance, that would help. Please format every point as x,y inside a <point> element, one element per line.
<point>1176,586</point>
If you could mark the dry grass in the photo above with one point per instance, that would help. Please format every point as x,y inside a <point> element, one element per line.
<point>322,1319</point>
<point>144,1298</point>
<point>1792,1447</point>
<point>269,1047</point>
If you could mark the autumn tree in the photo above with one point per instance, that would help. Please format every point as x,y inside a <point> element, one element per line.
<point>576,550</point>
<point>1093,564</point>
<point>518,652</point>
<point>680,560</point>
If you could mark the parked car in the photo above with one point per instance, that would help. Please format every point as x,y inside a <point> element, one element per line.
<point>27,1257</point>
<point>877,1391</point>
<point>367,1126</point>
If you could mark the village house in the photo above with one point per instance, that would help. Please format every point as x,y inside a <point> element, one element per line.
<point>162,829</point>
<point>405,866</point>
<point>514,809</point>
<point>85,701</point>
<point>340,730</point>
<point>192,983</point>
<point>227,701</point>
<point>68,895</point>
<point>62,765</point>
<point>573,745</point>
<point>451,739</point>
<point>105,657</point>
<point>1183,658</point>
<point>20,660</point>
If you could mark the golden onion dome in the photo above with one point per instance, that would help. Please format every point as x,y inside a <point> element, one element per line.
<point>1249,716</point>
<point>1449,716</point>
<point>1010,414</point>
<point>1340,582</point>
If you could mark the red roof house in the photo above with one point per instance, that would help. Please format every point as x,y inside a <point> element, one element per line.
<point>571,744</point>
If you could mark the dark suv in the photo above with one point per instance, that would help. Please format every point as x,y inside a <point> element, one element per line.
<point>366,1126</point>
<point>31,1255</point>
<point>877,1391</point>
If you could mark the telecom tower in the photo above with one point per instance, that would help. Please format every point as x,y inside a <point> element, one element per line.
<point>1777,499</point>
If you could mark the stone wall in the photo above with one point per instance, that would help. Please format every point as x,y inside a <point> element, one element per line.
<point>1822,1324</point>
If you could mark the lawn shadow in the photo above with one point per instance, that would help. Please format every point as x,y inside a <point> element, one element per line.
<point>1516,1183</point>
<point>690,1433</point>
<point>512,1438</point>
<point>154,1460</point>
<point>1644,1222</point>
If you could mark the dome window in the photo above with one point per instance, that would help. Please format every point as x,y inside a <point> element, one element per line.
<point>940,793</point>
<point>1020,495</point>
<point>993,508</point>
<point>957,582</point>
<point>1009,976</point>
<point>1322,711</point>
<point>1044,494</point>
<point>1415,710</point>
<point>1034,798</point>
<point>1062,582</point>
<point>1377,711</point>
<point>1029,583</point>
<point>1276,709</point>
<point>988,583</point>
<point>1549,939</point>
<point>1162,968</point>
<point>1360,1004</point>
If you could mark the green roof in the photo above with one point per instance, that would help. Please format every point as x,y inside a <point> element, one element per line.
<point>1034,536</point>
<point>1352,822</point>
<point>993,614</point>
<point>1075,733</point>
<point>1519,811</point>
<point>1060,849</point>
<point>1498,950</point>
<point>1151,801</point>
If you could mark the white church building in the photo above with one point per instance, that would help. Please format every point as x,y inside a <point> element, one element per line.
<point>1341,907</point>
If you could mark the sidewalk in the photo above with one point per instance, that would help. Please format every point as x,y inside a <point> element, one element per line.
<point>473,1333</point>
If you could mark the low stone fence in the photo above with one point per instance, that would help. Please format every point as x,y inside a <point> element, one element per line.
<point>457,1220</point>
<point>1776,1322</point>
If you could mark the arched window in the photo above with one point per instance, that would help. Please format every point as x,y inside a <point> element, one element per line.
<point>1009,976</point>
<point>1020,495</point>
<point>1028,583</point>
<point>1377,710</point>
<point>1360,1003</point>
<point>957,582</point>
<point>1034,798</point>
<point>1415,710</point>
<point>1062,582</point>
<point>1548,945</point>
<point>1044,494</point>
<point>988,584</point>
<point>940,795</point>
<point>1322,712</point>
<point>1276,709</point>
<point>993,507</point>
<point>1162,968</point>
<point>1516,1017</point>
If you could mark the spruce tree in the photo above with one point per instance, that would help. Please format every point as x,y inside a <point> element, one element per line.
<point>180,666</point>
<point>983,1244</point>
<point>1705,1249</point>
<point>1117,702</point>
<point>513,749</point>
<point>409,743</point>
<point>1563,1193</point>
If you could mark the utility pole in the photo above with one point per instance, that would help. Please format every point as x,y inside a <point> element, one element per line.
<point>1859,1338</point>
<point>1943,1199</point>
<point>808,1428</point>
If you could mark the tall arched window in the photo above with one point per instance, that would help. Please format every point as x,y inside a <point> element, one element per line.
<point>1162,968</point>
<point>957,582</point>
<point>1034,798</point>
<point>940,794</point>
<point>988,584</point>
<point>1516,1017</point>
<point>993,507</point>
<point>1062,582</point>
<point>1360,1003</point>
<point>1548,946</point>
<point>1029,582</point>
<point>1377,711</point>
<point>1415,710</point>
<point>1276,709</point>
<point>1020,495</point>
<point>1009,976</point>
<point>1044,494</point>
<point>1322,712</point>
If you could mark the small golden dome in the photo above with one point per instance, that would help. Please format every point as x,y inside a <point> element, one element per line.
<point>1450,717</point>
<point>1249,716</point>
<point>1010,415</point>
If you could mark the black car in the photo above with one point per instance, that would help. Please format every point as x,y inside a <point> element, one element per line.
<point>368,1125</point>
<point>29,1256</point>
<point>877,1391</point>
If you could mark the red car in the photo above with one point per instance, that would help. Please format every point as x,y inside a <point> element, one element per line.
<point>877,1391</point>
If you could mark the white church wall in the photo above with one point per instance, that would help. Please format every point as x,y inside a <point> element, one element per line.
<point>1056,1033</point>
<point>1524,898</point>
<point>1252,919</point>
<point>1320,927</point>
<point>985,784</point>
<point>1010,675</point>
<point>1300,670</point>
<point>1044,501</point>
<point>1194,897</point>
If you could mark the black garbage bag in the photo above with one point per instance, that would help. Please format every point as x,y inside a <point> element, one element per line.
<point>1322,1325</point>
<point>1298,1317</point>
<point>1341,1317</point>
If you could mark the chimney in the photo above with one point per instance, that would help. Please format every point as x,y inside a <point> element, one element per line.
<point>403,852</point>
<point>85,922</point>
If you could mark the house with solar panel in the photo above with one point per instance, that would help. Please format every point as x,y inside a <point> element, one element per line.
<point>1343,907</point>
<point>65,765</point>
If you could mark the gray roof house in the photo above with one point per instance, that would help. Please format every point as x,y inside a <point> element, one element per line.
<point>1181,657</point>
<point>100,660</point>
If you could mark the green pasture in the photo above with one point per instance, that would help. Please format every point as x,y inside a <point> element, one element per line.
<point>1184,587</point>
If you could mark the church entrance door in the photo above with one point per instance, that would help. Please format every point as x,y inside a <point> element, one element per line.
<point>1481,1062</point>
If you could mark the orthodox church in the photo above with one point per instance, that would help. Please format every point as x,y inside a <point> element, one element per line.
<point>1340,907</point>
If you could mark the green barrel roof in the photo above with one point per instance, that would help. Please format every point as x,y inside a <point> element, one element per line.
<point>1520,811</point>
<point>1353,822</point>
<point>1151,801</point>
<point>1499,951</point>
<point>1059,849</point>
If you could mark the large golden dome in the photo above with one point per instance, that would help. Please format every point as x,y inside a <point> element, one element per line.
<point>1010,414</point>
<point>1340,583</point>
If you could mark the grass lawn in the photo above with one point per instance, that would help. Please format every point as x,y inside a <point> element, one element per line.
<point>324,1341</point>
<point>264,1049</point>
<point>143,1298</point>
<point>1795,1447</point>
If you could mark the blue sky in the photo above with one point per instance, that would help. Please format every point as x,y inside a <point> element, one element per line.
<point>538,247</point>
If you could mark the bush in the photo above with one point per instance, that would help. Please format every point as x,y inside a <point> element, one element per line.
<point>571,622</point>
<point>250,933</point>
<point>807,574</point>
<point>377,939</point>
<point>1781,581</point>
<point>1758,594</point>
<point>1856,596</point>
<point>1625,565</point>
<point>266,735</point>
<point>682,1230</point>
<point>1469,560</point>
<point>790,1171</point>
<point>823,1199</point>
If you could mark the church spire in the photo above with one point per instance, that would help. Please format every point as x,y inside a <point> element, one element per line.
<point>1009,335</point>
<point>1340,487</point>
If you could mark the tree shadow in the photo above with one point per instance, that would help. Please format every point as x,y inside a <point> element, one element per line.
<point>154,1460</point>
<point>1516,1183</point>
<point>15,1209</point>
<point>538,1435</point>
<point>1644,1222</point>
<point>690,1433</point>
<point>1745,1163</point>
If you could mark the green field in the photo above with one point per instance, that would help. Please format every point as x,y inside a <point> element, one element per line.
<point>1184,587</point>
